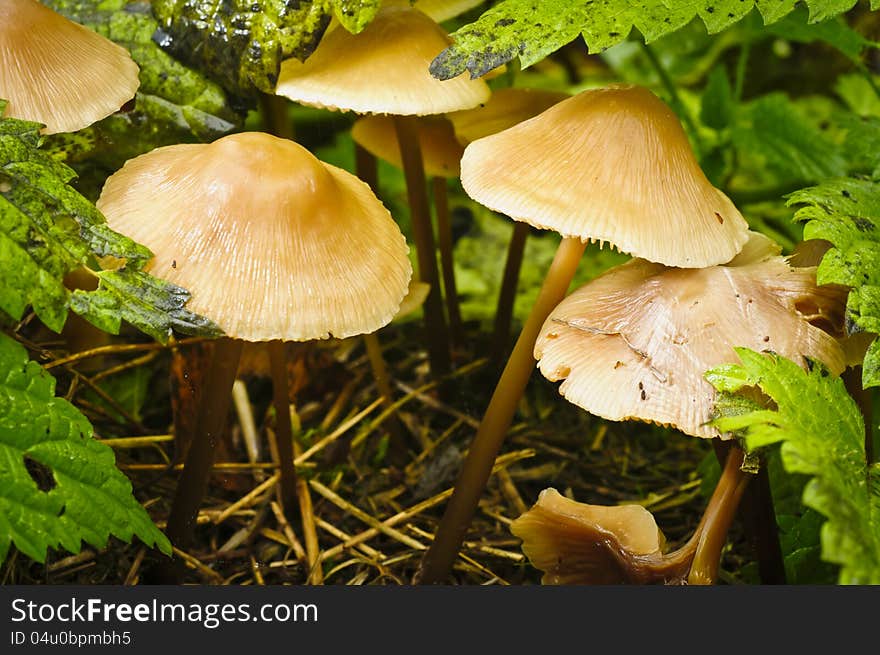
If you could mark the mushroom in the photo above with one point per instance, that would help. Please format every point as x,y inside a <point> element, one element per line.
<point>577,543</point>
<point>384,70</point>
<point>57,72</point>
<point>506,108</point>
<point>635,342</point>
<point>614,164</point>
<point>274,245</point>
<point>441,154</point>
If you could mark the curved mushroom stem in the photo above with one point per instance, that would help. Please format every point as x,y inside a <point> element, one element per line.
<point>444,241</point>
<point>417,192</point>
<point>507,295</point>
<point>437,561</point>
<point>210,423</point>
<point>283,424</point>
<point>711,533</point>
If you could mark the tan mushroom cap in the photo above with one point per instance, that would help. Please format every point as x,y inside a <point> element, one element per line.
<point>577,543</point>
<point>382,70</point>
<point>272,242</point>
<point>441,10</point>
<point>441,151</point>
<point>635,342</point>
<point>58,73</point>
<point>506,108</point>
<point>610,164</point>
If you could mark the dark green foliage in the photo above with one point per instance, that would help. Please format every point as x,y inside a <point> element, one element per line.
<point>58,485</point>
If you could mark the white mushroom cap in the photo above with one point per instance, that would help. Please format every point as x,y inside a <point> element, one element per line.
<point>58,73</point>
<point>272,242</point>
<point>635,342</point>
<point>382,70</point>
<point>610,164</point>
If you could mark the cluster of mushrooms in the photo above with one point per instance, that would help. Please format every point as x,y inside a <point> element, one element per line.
<point>276,245</point>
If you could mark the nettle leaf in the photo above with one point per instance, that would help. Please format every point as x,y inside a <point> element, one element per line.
<point>48,230</point>
<point>58,485</point>
<point>774,129</point>
<point>355,15</point>
<point>822,436</point>
<point>241,43</point>
<point>174,104</point>
<point>532,30</point>
<point>846,212</point>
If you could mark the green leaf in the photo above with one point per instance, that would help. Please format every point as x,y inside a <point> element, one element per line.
<point>531,31</point>
<point>174,104</point>
<point>58,485</point>
<point>241,43</point>
<point>773,129</point>
<point>846,212</point>
<point>48,230</point>
<point>823,436</point>
<point>717,106</point>
<point>152,305</point>
<point>355,15</point>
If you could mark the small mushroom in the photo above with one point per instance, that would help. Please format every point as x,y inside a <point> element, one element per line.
<point>577,543</point>
<point>274,245</point>
<point>610,164</point>
<point>385,70</point>
<point>57,72</point>
<point>441,155</point>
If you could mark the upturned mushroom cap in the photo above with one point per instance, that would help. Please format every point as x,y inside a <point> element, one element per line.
<point>441,151</point>
<point>506,108</point>
<point>610,164</point>
<point>272,242</point>
<point>382,70</point>
<point>58,73</point>
<point>635,342</point>
<point>577,543</point>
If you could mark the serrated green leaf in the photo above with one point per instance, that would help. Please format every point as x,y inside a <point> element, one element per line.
<point>241,43</point>
<point>531,31</point>
<point>152,305</point>
<point>823,436</point>
<point>174,104</point>
<point>846,212</point>
<point>58,485</point>
<point>355,15</point>
<point>48,230</point>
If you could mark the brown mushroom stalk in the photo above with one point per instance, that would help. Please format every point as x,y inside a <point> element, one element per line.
<point>447,262</point>
<point>423,235</point>
<point>283,424</point>
<point>507,296</point>
<point>210,421</point>
<point>477,466</point>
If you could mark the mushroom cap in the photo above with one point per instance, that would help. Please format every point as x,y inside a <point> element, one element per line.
<point>272,242</point>
<point>506,108</point>
<point>441,10</point>
<point>441,151</point>
<point>382,70</point>
<point>58,73</point>
<point>610,164</point>
<point>635,342</point>
<point>577,543</point>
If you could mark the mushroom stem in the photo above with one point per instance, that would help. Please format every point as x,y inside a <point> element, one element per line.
<point>423,234</point>
<point>210,423</point>
<point>759,521</point>
<point>283,424</point>
<point>444,241</point>
<point>711,534</point>
<point>275,117</point>
<point>383,383</point>
<point>437,561</point>
<point>507,295</point>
